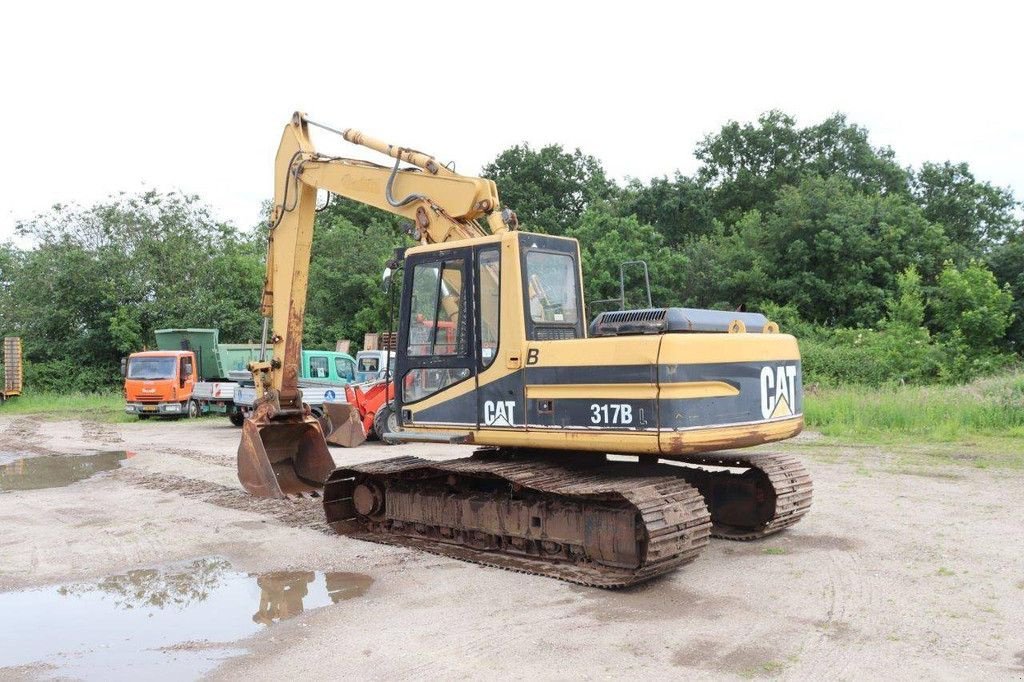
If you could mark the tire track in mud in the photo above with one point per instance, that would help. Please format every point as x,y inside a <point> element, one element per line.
<point>98,432</point>
<point>201,457</point>
<point>835,643</point>
<point>23,430</point>
<point>304,512</point>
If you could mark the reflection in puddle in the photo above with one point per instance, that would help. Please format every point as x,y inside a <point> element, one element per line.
<point>18,472</point>
<point>177,621</point>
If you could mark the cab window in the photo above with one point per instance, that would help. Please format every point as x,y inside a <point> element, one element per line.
<point>318,367</point>
<point>489,277</point>
<point>552,287</point>
<point>344,368</point>
<point>437,325</point>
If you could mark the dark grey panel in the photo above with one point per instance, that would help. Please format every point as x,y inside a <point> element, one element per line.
<point>594,413</point>
<point>745,407</point>
<point>501,403</point>
<point>615,374</point>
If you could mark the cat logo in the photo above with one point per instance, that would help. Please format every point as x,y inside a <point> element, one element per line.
<point>778,391</point>
<point>499,413</point>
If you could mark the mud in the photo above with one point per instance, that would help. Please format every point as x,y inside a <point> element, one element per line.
<point>895,571</point>
<point>174,622</point>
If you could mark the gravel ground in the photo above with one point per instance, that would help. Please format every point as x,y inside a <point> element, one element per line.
<point>909,575</point>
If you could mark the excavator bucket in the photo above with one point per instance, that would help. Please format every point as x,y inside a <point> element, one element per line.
<point>283,456</point>
<point>346,425</point>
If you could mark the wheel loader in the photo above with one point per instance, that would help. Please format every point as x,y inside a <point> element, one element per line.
<point>607,453</point>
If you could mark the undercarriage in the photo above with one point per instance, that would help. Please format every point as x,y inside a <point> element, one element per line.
<point>574,517</point>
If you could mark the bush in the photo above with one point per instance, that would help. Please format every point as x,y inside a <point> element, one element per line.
<point>897,355</point>
<point>64,376</point>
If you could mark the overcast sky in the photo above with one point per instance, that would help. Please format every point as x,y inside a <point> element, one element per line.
<point>193,95</point>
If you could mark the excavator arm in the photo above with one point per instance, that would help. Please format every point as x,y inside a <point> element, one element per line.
<point>283,449</point>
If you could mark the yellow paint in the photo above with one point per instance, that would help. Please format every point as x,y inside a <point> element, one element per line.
<point>690,349</point>
<point>697,389</point>
<point>665,444</point>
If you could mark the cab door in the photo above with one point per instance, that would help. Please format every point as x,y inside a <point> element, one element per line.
<point>437,358</point>
<point>186,376</point>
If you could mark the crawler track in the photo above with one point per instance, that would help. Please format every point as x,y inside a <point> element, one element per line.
<point>773,493</point>
<point>604,524</point>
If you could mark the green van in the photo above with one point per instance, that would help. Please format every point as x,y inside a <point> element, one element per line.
<point>327,367</point>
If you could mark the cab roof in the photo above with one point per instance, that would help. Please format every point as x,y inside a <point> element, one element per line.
<point>160,353</point>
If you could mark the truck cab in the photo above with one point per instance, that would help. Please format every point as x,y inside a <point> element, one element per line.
<point>159,382</point>
<point>329,367</point>
<point>374,365</point>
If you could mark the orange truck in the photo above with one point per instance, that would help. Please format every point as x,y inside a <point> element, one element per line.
<point>186,376</point>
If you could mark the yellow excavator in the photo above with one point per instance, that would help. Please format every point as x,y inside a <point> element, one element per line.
<point>606,450</point>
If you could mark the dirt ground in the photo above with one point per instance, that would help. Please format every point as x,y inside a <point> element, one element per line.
<point>912,574</point>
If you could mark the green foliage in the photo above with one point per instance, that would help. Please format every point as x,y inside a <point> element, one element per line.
<point>681,207</point>
<point>346,298</point>
<point>887,275</point>
<point>974,215</point>
<point>746,166</point>
<point>970,307</point>
<point>990,407</point>
<point>100,280</point>
<point>1007,263</point>
<point>898,354</point>
<point>103,405</point>
<point>835,252</point>
<point>906,307</point>
<point>607,240</point>
<point>550,188</point>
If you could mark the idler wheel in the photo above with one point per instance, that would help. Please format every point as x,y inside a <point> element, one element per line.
<point>368,499</point>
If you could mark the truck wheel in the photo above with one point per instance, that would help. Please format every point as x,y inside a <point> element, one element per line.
<point>237,418</point>
<point>193,409</point>
<point>386,421</point>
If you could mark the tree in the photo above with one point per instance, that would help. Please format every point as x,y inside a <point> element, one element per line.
<point>607,240</point>
<point>970,307</point>
<point>835,252</point>
<point>99,280</point>
<point>549,189</point>
<point>975,215</point>
<point>679,208</point>
<point>346,298</point>
<point>746,166</point>
<point>1007,263</point>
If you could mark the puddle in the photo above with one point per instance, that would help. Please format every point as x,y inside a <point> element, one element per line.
<point>18,472</point>
<point>174,622</point>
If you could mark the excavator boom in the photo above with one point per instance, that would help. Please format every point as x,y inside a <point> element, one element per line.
<point>283,449</point>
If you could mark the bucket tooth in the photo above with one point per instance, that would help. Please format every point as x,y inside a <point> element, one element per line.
<point>282,457</point>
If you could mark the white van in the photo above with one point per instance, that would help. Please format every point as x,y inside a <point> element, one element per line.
<point>373,365</point>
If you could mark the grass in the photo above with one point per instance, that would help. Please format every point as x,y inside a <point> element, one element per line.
<point>99,407</point>
<point>105,407</point>
<point>991,408</point>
